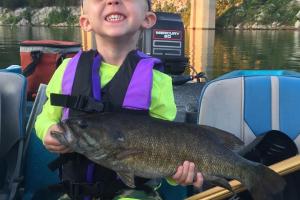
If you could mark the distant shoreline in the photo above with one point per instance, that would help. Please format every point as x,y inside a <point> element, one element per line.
<point>47,16</point>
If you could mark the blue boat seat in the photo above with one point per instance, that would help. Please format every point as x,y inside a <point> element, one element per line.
<point>12,123</point>
<point>13,68</point>
<point>249,103</point>
<point>37,175</point>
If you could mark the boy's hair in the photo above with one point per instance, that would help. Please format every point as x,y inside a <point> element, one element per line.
<point>148,2</point>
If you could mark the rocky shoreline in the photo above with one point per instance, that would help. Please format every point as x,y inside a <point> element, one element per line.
<point>40,17</point>
<point>267,15</point>
<point>257,26</point>
<point>273,26</point>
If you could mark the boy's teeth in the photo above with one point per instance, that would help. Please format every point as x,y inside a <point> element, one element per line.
<point>114,17</point>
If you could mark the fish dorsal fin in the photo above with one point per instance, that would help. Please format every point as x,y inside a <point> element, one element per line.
<point>127,153</point>
<point>127,178</point>
<point>227,139</point>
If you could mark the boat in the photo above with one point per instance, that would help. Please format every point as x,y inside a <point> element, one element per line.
<point>23,167</point>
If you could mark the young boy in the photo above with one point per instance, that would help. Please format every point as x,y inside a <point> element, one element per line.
<point>117,25</point>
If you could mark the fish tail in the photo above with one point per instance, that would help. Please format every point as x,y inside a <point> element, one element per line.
<point>264,183</point>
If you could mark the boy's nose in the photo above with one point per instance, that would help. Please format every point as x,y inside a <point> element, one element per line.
<point>113,2</point>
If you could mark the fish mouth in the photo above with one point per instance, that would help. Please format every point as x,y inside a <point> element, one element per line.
<point>68,133</point>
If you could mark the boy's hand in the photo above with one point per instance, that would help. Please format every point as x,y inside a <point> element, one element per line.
<point>52,144</point>
<point>186,175</point>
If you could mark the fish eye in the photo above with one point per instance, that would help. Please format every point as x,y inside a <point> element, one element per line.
<point>82,124</point>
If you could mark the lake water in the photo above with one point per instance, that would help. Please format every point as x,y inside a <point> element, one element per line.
<point>214,52</point>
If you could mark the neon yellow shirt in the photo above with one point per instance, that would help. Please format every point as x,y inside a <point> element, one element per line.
<point>162,102</point>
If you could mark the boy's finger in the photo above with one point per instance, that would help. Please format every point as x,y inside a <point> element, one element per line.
<point>199,180</point>
<point>184,172</point>
<point>67,150</point>
<point>56,148</point>
<point>52,141</point>
<point>178,173</point>
<point>191,173</point>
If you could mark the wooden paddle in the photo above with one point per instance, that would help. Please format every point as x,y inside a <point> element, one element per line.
<point>284,167</point>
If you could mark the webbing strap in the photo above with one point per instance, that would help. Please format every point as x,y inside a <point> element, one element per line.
<point>36,57</point>
<point>81,103</point>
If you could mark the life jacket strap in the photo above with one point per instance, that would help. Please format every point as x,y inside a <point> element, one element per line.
<point>60,160</point>
<point>80,102</point>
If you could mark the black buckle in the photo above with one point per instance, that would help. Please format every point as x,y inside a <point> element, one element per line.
<point>88,104</point>
<point>81,102</point>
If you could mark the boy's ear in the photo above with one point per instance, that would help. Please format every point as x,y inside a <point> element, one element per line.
<point>85,23</point>
<point>150,20</point>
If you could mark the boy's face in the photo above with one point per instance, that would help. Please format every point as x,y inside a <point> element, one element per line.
<point>116,18</point>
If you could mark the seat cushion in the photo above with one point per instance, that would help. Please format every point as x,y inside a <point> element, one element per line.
<point>250,104</point>
<point>13,103</point>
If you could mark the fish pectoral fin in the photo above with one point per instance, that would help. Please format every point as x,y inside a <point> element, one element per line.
<point>127,178</point>
<point>127,153</point>
<point>219,181</point>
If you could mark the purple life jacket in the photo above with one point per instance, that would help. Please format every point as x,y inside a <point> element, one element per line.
<point>130,88</point>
